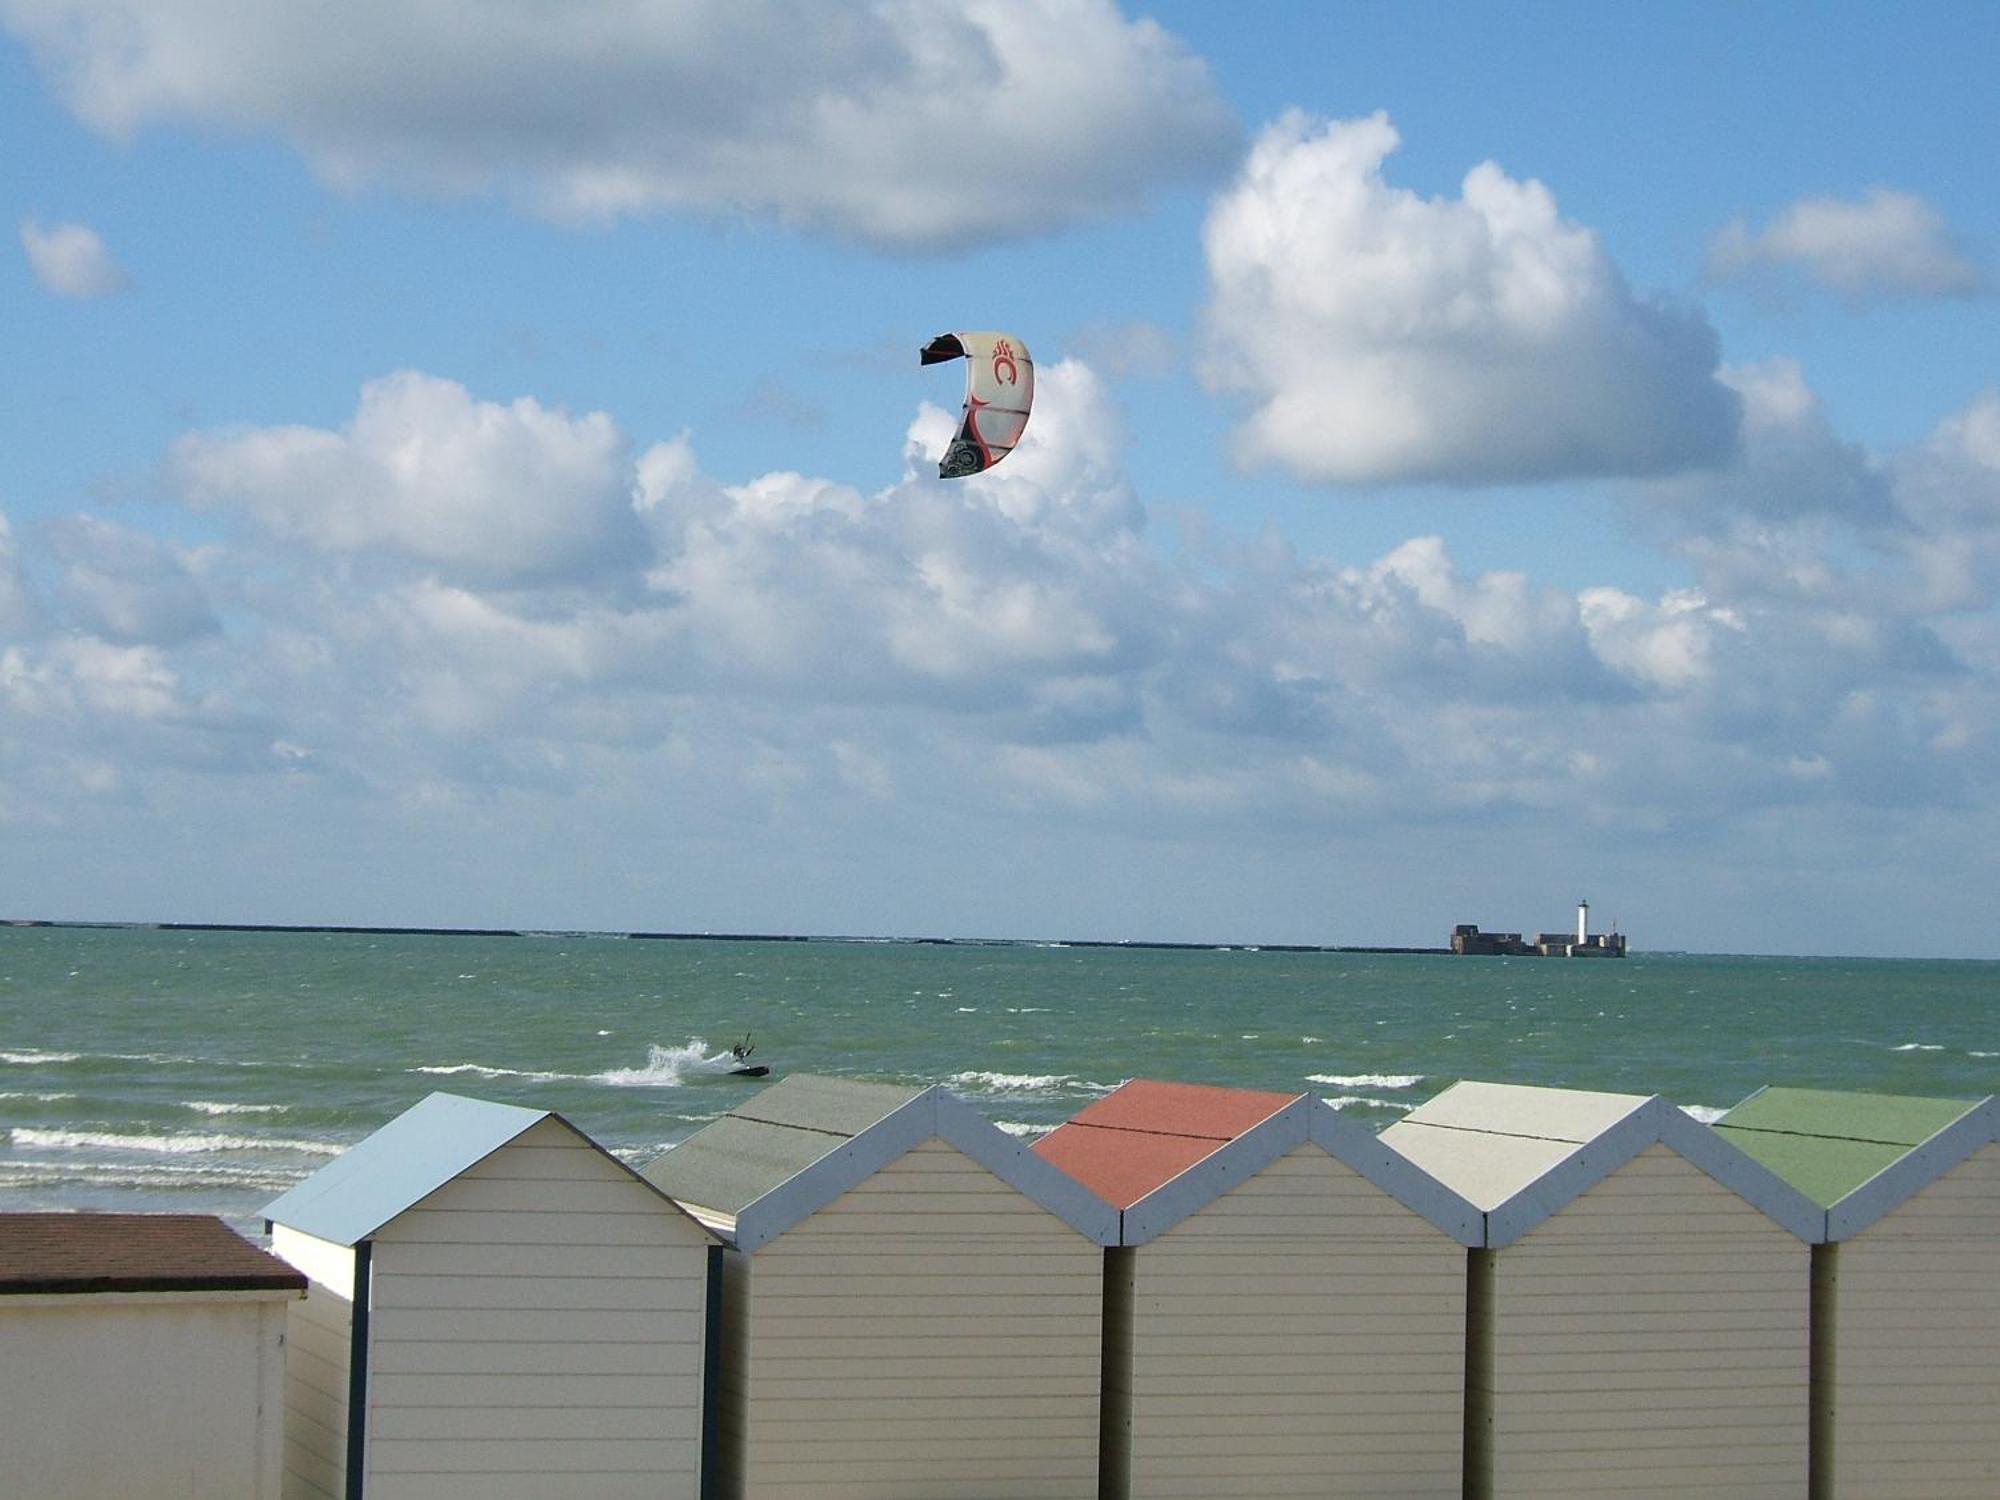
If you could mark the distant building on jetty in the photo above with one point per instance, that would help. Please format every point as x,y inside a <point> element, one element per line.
<point>1466,938</point>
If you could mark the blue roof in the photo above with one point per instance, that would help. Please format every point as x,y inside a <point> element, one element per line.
<point>405,1161</point>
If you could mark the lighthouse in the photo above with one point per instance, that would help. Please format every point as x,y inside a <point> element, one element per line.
<point>1582,923</point>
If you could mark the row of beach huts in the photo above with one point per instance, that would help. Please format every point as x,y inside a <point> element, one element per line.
<point>855,1291</point>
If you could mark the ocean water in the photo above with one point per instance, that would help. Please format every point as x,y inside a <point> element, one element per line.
<point>207,1071</point>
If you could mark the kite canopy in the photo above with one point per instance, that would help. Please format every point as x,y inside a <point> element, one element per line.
<point>999,389</point>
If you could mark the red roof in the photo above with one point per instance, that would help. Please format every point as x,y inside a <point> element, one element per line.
<point>134,1253</point>
<point>1142,1135</point>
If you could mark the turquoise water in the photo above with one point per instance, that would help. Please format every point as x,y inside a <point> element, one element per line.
<point>142,1069</point>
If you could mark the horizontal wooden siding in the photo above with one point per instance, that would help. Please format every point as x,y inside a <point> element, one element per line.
<point>537,1331</point>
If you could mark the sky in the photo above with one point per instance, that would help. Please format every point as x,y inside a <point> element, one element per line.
<point>469,465</point>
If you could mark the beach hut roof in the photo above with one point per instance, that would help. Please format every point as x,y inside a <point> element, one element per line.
<point>404,1162</point>
<point>1147,1132</point>
<point>1162,1151</point>
<point>1523,1153</point>
<point>43,1253</point>
<point>805,1140</point>
<point>1858,1155</point>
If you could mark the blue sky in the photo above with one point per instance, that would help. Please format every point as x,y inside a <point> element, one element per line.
<point>479,475</point>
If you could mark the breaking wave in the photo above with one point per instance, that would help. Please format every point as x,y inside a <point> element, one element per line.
<point>1919,1047</point>
<point>1018,1127</point>
<point>37,1059</point>
<point>1367,1080</point>
<point>1361,1101</point>
<point>1708,1114</point>
<point>216,1107</point>
<point>164,1145</point>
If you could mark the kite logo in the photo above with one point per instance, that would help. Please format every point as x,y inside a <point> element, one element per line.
<point>1003,354</point>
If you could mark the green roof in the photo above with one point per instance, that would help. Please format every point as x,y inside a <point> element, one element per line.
<point>770,1139</point>
<point>1827,1143</point>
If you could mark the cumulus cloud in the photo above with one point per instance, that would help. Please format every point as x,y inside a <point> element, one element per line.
<point>508,494</point>
<point>902,123</point>
<point>127,587</point>
<point>71,260</point>
<point>20,614</point>
<point>1377,335</point>
<point>1885,243</point>
<point>1791,465</point>
<point>793,675</point>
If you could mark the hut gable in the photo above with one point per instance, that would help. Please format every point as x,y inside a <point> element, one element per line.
<point>1523,1153</point>
<point>1906,1383</point>
<point>498,1306</point>
<point>1147,1132</point>
<point>1165,1151</point>
<point>773,1162</point>
<point>1859,1156</point>
<point>912,1308</point>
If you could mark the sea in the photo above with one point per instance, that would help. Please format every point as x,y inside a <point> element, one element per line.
<point>148,1069</point>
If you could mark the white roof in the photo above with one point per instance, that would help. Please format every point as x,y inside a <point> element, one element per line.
<point>1488,1141</point>
<point>1522,1153</point>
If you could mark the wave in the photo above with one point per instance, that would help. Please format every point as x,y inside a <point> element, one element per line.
<point>37,1059</point>
<point>1708,1114</point>
<point>1983,1054</point>
<point>1367,1080</point>
<point>1352,1101</point>
<point>215,1107</point>
<point>1015,1083</point>
<point>164,1145</point>
<point>1017,1127</point>
<point>54,1098</point>
<point>670,1067</point>
<point>1919,1047</point>
<point>481,1070</point>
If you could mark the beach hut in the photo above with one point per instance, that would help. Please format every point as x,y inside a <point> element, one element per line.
<point>141,1356</point>
<point>1637,1320</point>
<point>498,1309</point>
<point>1906,1293</point>
<point>1286,1312</point>
<point>912,1299</point>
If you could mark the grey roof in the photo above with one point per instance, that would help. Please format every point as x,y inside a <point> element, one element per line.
<point>804,1141</point>
<point>771,1138</point>
<point>404,1162</point>
<point>1523,1154</point>
<point>1305,1119</point>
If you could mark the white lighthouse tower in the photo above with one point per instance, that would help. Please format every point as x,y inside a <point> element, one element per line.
<point>1582,923</point>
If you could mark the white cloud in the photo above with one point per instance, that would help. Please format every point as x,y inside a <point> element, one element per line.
<point>1791,465</point>
<point>126,586</point>
<point>71,260</point>
<point>904,123</point>
<point>1381,336</point>
<point>1885,243</point>
<point>498,494</point>
<point>796,686</point>
<point>20,613</point>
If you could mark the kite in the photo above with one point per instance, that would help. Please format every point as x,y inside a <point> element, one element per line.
<point>999,389</point>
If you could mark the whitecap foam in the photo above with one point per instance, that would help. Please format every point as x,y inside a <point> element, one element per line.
<point>1983,1054</point>
<point>164,1145</point>
<point>36,1059</point>
<point>1367,1080</point>
<point>53,1098</point>
<point>1011,1083</point>
<point>670,1067</point>
<point>1018,1127</point>
<point>1352,1101</point>
<point>1919,1047</point>
<point>218,1107</point>
<point>481,1070</point>
<point>1708,1114</point>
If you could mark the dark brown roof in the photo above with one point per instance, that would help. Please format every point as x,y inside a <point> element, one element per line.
<point>134,1253</point>
<point>1148,1132</point>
